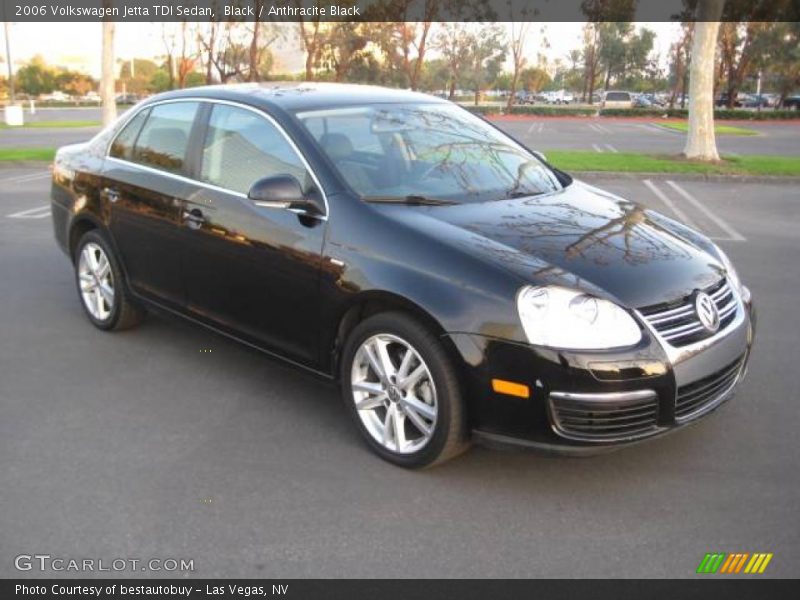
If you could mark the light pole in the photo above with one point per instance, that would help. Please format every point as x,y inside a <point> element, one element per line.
<point>8,59</point>
<point>758,91</point>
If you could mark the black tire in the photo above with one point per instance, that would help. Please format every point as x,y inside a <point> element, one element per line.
<point>450,436</point>
<point>124,312</point>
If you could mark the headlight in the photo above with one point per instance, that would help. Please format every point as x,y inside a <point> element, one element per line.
<point>562,318</point>
<point>733,276</point>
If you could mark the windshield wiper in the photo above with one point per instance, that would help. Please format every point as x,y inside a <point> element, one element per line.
<point>411,199</point>
<point>520,194</point>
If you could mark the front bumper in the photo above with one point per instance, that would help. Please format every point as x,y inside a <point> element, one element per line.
<point>584,403</point>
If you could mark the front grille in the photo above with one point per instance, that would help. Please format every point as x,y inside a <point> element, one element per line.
<point>677,322</point>
<point>577,417</point>
<point>695,398</point>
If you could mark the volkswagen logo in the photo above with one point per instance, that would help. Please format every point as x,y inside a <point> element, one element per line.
<point>706,311</point>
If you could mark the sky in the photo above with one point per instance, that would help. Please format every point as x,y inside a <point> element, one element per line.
<point>80,49</point>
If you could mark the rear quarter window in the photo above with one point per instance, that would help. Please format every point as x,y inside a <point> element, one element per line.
<point>122,146</point>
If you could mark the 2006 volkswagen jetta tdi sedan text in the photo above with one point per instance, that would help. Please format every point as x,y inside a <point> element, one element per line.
<point>455,284</point>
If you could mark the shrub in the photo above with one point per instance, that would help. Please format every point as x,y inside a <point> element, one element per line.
<point>722,114</point>
<point>552,111</point>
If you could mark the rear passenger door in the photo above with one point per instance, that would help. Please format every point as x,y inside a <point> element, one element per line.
<point>145,184</point>
<point>251,270</point>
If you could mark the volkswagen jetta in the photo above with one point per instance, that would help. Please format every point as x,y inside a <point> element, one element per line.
<point>456,285</point>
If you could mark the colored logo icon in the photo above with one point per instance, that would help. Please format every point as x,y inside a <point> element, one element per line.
<point>736,562</point>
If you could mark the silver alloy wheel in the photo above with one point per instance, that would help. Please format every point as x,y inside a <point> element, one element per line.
<point>394,393</point>
<point>96,281</point>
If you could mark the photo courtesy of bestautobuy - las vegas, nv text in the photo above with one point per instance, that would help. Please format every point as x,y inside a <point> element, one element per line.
<point>415,298</point>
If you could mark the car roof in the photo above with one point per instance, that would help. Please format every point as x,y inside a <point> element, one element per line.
<point>293,96</point>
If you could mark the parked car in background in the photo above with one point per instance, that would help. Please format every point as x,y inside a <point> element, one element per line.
<point>559,97</point>
<point>127,98</point>
<point>56,96</point>
<point>641,102</point>
<point>772,99</point>
<point>754,101</point>
<point>722,100</point>
<point>523,97</point>
<point>618,100</point>
<point>791,103</point>
<point>654,99</point>
<point>455,285</point>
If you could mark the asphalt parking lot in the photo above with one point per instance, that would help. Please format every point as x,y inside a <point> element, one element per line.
<point>609,135</point>
<point>170,441</point>
<point>605,135</point>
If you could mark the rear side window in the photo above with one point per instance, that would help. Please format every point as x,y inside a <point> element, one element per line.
<point>122,147</point>
<point>242,147</point>
<point>618,96</point>
<point>164,138</point>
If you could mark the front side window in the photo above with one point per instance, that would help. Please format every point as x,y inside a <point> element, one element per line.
<point>164,138</point>
<point>437,151</point>
<point>242,147</point>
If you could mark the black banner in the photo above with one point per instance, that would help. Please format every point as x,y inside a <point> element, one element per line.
<point>390,10</point>
<point>386,589</point>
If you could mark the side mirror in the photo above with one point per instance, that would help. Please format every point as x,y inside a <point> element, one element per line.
<point>285,191</point>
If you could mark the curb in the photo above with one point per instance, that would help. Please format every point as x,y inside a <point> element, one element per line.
<point>709,177</point>
<point>24,164</point>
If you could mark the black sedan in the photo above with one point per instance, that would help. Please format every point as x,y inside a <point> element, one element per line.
<point>456,285</point>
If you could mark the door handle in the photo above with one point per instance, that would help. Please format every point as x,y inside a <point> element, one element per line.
<point>194,218</point>
<point>111,193</point>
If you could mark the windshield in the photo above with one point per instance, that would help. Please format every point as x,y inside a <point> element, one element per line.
<point>432,151</point>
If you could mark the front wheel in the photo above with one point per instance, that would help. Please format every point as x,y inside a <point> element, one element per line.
<point>402,391</point>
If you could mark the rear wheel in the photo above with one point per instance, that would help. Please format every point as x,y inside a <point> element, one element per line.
<point>101,286</point>
<point>402,391</point>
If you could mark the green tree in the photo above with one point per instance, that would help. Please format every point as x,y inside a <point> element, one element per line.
<point>141,82</point>
<point>600,14</point>
<point>75,83</point>
<point>344,44</point>
<point>534,79</point>
<point>486,54</point>
<point>435,75</point>
<point>453,43</point>
<point>784,65</point>
<point>36,77</point>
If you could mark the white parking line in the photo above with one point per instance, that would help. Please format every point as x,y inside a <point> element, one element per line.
<point>26,177</point>
<point>536,127</point>
<point>734,235</point>
<point>672,206</point>
<point>597,148</point>
<point>650,127</point>
<point>602,129</point>
<point>40,212</point>
<point>610,147</point>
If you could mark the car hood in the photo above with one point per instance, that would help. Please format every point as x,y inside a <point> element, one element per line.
<point>584,238</point>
